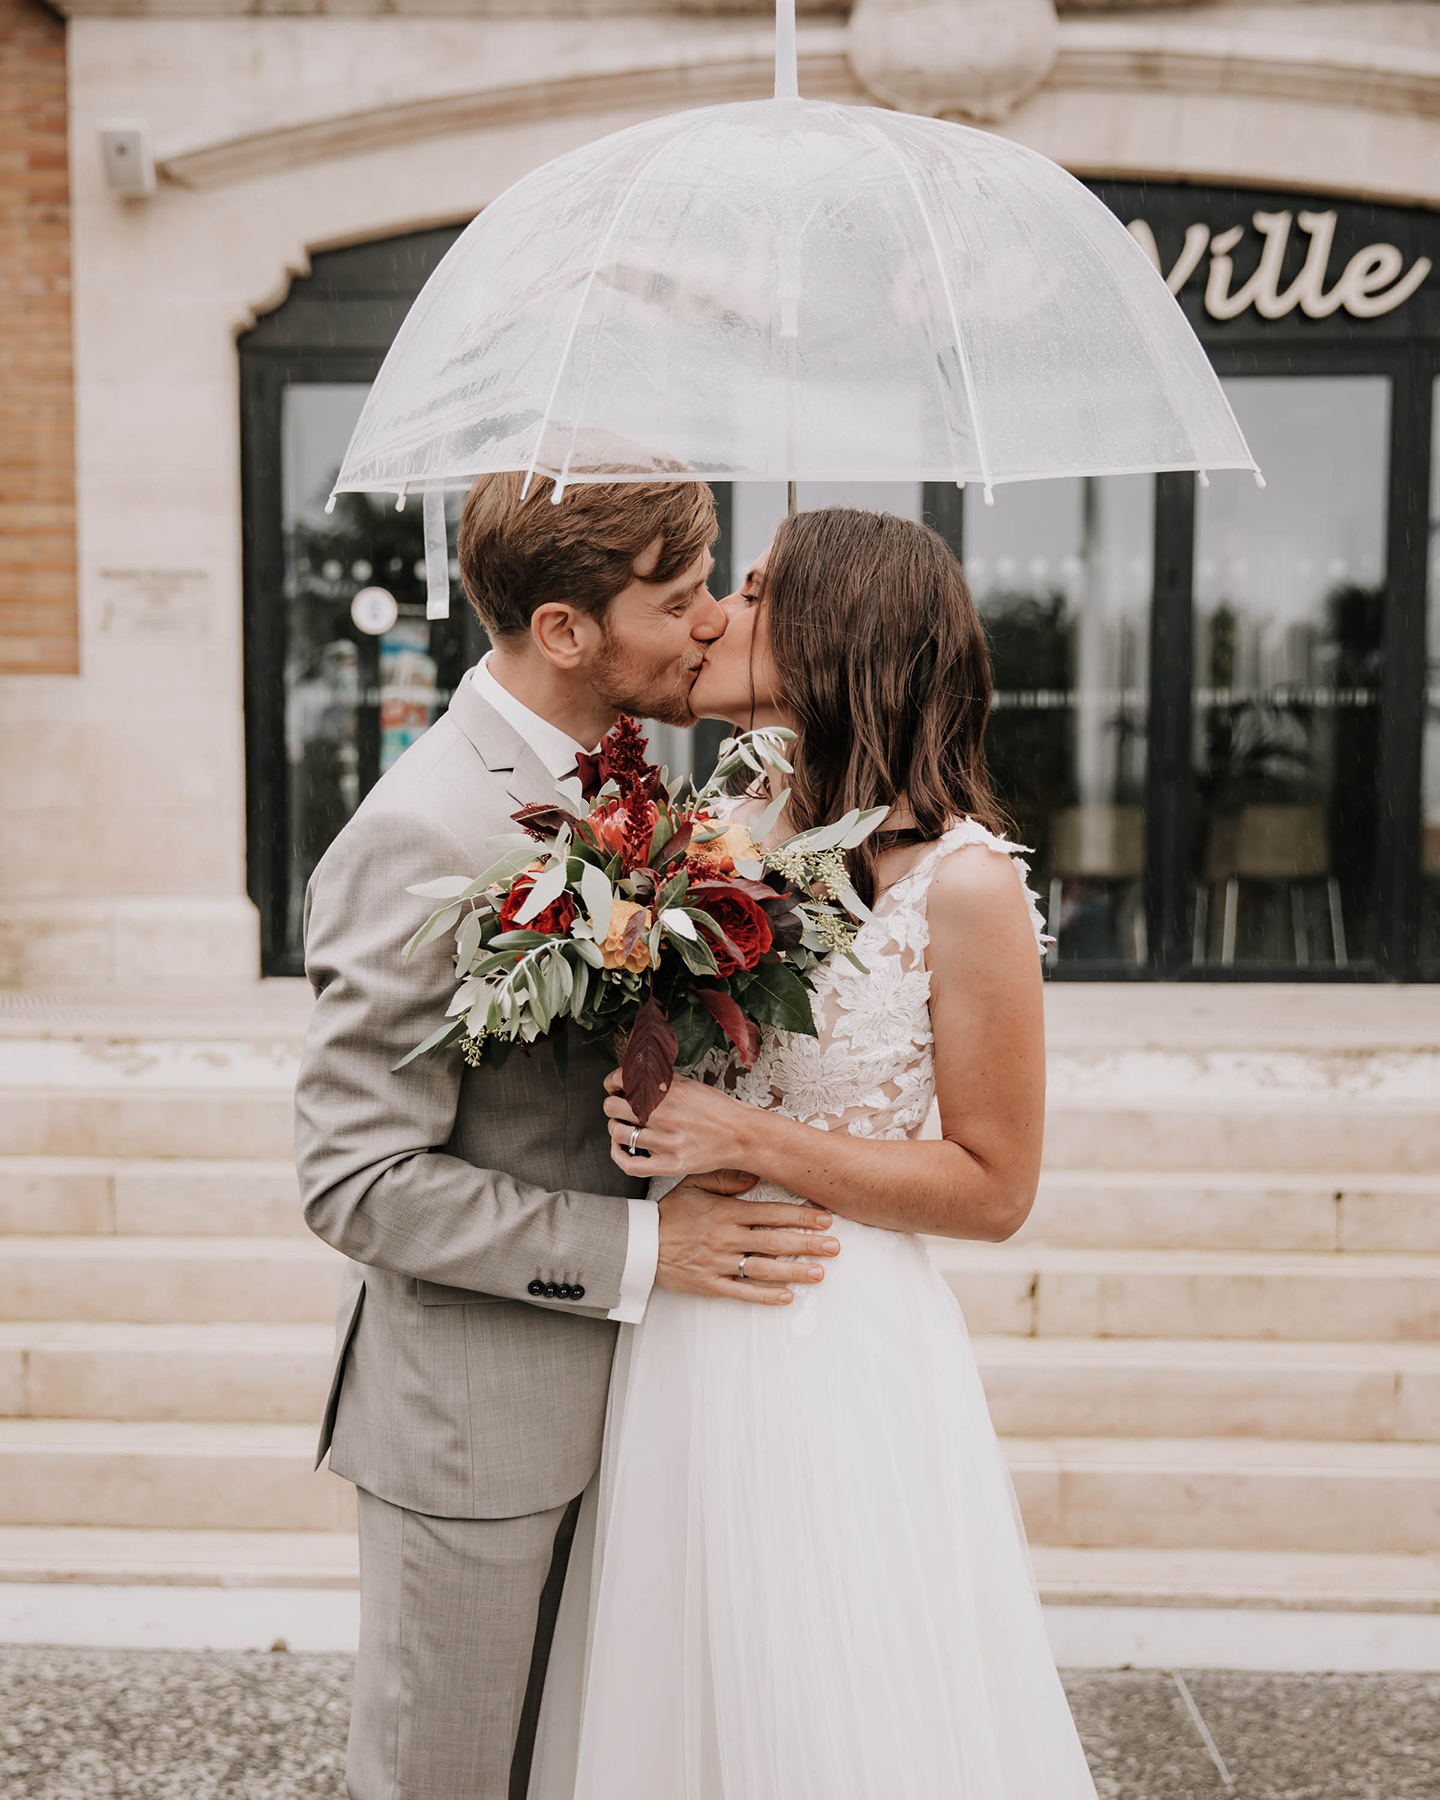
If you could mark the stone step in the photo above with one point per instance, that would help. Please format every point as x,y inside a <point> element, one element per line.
<point>1128,1387</point>
<point>1036,1386</point>
<point>1229,1494</point>
<point>1162,1210</point>
<point>265,1374</point>
<point>1008,1289</point>
<point>206,1477</point>
<point>155,1122</point>
<point>101,1196</point>
<point>103,1556</point>
<point>1017,1289</point>
<point>1066,1575</point>
<point>1284,1580</point>
<point>253,1119</point>
<point>1086,1209</point>
<point>170,1280</point>
<point>1254,1133</point>
<point>1190,1493</point>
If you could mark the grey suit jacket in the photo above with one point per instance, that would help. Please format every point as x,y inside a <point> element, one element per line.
<point>456,1392</point>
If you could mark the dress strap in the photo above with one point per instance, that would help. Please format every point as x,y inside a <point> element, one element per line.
<point>959,836</point>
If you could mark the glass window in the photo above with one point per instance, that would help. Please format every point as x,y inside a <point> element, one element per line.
<point>365,672</point>
<point>1289,604</point>
<point>1061,571</point>
<point>1430,824</point>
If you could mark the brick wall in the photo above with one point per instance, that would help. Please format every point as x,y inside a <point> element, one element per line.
<point>39,627</point>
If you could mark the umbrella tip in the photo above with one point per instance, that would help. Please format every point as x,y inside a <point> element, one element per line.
<point>400,501</point>
<point>1204,478</point>
<point>1259,479</point>
<point>989,494</point>
<point>330,506</point>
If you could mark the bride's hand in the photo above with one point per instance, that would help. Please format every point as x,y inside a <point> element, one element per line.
<point>693,1127</point>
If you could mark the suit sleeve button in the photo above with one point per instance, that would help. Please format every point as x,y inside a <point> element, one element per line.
<point>566,1291</point>
<point>536,1287</point>
<point>552,1292</point>
<point>577,1293</point>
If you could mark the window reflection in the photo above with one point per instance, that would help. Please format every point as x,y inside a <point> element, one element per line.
<point>362,682</point>
<point>1289,603</point>
<point>1061,571</point>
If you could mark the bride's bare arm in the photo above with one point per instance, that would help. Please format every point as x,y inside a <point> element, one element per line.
<point>979,1179</point>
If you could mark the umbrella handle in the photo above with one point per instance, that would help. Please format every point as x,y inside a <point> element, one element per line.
<point>787,70</point>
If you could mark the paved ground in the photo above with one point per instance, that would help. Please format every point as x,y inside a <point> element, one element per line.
<point>169,1725</point>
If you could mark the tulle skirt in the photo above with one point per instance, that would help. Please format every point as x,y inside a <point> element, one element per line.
<point>800,1573</point>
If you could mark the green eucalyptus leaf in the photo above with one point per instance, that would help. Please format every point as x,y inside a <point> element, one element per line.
<point>776,996</point>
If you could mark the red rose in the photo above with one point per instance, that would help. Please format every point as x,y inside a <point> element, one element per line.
<point>554,920</point>
<point>741,919</point>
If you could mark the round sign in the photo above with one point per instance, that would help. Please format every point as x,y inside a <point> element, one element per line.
<point>374,610</point>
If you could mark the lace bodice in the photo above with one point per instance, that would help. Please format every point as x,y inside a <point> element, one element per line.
<point>871,1069</point>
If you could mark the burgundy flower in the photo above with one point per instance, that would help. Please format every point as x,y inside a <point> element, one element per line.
<point>554,920</point>
<point>741,919</point>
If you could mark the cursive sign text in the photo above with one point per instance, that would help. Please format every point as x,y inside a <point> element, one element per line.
<point>1374,281</point>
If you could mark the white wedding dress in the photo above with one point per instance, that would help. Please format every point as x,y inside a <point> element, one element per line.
<point>800,1574</point>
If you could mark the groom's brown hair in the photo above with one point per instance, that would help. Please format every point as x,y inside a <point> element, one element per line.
<point>519,550</point>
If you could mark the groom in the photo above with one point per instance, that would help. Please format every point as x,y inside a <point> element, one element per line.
<point>493,1243</point>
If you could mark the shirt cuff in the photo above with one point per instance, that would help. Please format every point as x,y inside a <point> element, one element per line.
<point>641,1259</point>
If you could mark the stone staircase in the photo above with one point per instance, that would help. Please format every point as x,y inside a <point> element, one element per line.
<point>1214,1352</point>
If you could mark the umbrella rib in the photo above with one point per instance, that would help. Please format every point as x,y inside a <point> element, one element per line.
<point>569,344</point>
<point>965,372</point>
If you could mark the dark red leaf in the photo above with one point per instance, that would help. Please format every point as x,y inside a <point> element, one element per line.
<point>677,844</point>
<point>741,1030</point>
<point>544,820</point>
<point>634,929</point>
<point>759,891</point>
<point>648,1066</point>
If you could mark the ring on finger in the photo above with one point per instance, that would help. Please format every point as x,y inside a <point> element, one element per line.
<point>630,1149</point>
<point>740,1274</point>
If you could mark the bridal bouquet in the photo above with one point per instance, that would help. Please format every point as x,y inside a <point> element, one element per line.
<point>633,909</point>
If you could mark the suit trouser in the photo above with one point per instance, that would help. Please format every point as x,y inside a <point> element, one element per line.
<point>456,1617</point>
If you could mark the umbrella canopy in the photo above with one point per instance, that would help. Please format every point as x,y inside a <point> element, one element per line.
<point>792,289</point>
<point>795,290</point>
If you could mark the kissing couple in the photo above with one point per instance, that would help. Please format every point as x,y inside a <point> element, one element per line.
<point>676,1479</point>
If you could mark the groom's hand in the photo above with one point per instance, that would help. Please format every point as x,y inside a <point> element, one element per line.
<point>705,1231</point>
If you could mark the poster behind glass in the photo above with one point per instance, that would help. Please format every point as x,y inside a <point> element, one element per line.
<point>366,673</point>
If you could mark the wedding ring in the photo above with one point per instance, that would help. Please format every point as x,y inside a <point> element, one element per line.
<point>630,1147</point>
<point>740,1274</point>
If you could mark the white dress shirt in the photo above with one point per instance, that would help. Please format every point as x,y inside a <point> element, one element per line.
<point>557,750</point>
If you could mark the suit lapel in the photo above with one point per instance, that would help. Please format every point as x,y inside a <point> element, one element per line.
<point>500,746</point>
<point>529,780</point>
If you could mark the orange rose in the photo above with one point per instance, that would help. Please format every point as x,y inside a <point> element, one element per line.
<point>734,844</point>
<point>621,913</point>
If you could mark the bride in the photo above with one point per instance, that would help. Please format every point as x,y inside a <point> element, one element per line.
<point>801,1573</point>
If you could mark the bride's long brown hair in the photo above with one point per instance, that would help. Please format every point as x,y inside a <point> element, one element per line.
<point>881,659</point>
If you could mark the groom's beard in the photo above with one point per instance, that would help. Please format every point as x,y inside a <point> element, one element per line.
<point>653,691</point>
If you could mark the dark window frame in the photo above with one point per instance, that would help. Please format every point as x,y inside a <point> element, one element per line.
<point>337,322</point>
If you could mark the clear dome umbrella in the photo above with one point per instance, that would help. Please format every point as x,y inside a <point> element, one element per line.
<point>790,290</point>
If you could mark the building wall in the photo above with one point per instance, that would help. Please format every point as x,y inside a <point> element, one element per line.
<point>122,796</point>
<point>38,621</point>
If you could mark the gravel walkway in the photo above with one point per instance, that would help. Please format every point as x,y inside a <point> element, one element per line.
<point>172,1725</point>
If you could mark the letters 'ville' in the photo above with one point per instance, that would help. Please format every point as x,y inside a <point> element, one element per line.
<point>1374,281</point>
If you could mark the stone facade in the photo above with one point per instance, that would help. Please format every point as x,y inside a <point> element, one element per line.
<point>122,787</point>
<point>38,623</point>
